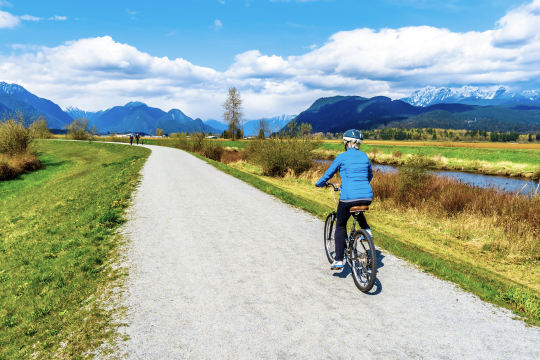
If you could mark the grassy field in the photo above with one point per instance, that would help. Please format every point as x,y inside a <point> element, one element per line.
<point>57,243</point>
<point>450,248</point>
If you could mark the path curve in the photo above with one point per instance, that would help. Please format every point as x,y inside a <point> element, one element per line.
<point>221,270</point>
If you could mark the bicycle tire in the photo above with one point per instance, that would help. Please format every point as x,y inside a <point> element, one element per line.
<point>329,237</point>
<point>363,261</point>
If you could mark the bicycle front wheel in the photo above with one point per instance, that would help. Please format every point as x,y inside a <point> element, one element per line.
<point>363,261</point>
<point>329,237</point>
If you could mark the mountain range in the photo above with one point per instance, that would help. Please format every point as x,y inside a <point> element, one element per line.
<point>465,108</point>
<point>340,113</point>
<point>470,95</point>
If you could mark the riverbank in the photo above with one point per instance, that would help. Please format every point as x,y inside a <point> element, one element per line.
<point>503,162</point>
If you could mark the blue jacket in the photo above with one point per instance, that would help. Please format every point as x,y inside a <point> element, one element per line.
<point>356,174</point>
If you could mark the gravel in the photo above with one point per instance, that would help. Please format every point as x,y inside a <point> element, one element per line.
<point>222,270</point>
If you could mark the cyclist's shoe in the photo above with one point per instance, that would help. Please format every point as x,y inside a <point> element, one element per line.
<point>337,265</point>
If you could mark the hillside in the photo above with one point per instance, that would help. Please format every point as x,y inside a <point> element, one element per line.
<point>339,114</point>
<point>54,114</point>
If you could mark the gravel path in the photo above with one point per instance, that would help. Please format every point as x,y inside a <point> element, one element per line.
<point>221,270</point>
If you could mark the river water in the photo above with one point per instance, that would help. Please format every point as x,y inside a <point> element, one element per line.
<point>485,181</point>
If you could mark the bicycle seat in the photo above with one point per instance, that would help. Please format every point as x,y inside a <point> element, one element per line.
<point>359,208</point>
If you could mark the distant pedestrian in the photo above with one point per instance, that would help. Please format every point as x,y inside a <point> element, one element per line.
<point>137,137</point>
<point>142,142</point>
<point>130,139</point>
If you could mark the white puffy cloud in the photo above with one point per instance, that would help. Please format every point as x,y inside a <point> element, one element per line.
<point>7,20</point>
<point>97,73</point>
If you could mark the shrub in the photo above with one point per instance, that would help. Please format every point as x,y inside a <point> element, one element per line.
<point>78,129</point>
<point>15,165</point>
<point>397,154</point>
<point>414,174</point>
<point>213,150</point>
<point>14,138</point>
<point>279,156</point>
<point>39,129</point>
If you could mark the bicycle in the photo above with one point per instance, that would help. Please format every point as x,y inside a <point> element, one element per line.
<point>359,249</point>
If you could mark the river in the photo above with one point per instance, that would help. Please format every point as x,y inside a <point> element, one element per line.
<point>485,181</point>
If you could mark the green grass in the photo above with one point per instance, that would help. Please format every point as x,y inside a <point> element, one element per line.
<point>57,241</point>
<point>519,156</point>
<point>486,284</point>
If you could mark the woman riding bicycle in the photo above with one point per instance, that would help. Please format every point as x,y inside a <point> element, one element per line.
<point>356,174</point>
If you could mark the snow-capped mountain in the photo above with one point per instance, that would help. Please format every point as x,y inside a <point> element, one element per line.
<point>76,113</point>
<point>275,123</point>
<point>11,89</point>
<point>54,114</point>
<point>469,95</point>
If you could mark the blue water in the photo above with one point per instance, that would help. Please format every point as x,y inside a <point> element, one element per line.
<point>485,181</point>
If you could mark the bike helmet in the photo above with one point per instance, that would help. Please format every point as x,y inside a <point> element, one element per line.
<point>353,135</point>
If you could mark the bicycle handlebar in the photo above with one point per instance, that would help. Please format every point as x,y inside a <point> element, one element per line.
<point>332,185</point>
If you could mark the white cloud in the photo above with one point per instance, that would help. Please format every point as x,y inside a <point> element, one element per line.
<point>30,18</point>
<point>98,73</point>
<point>218,25</point>
<point>222,2</point>
<point>7,20</point>
<point>6,4</point>
<point>56,17</point>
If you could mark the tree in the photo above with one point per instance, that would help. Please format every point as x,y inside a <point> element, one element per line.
<point>262,129</point>
<point>233,114</point>
<point>159,132</point>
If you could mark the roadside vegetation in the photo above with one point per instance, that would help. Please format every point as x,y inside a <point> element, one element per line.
<point>57,245</point>
<point>17,146</point>
<point>486,241</point>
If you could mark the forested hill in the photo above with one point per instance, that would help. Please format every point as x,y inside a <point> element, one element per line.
<point>340,113</point>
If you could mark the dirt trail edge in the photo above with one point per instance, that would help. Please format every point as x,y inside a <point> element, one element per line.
<point>222,270</point>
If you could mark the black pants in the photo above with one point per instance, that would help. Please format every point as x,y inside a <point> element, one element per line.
<point>343,215</point>
<point>137,141</point>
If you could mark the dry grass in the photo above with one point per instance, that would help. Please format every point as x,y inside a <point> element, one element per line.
<point>13,166</point>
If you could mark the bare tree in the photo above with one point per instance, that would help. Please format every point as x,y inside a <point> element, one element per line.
<point>159,132</point>
<point>233,114</point>
<point>262,129</point>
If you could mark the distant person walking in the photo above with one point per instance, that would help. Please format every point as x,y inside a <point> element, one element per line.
<point>137,137</point>
<point>130,139</point>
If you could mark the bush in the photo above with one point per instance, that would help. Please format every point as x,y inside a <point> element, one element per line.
<point>14,138</point>
<point>279,156</point>
<point>397,154</point>
<point>414,174</point>
<point>213,150</point>
<point>536,175</point>
<point>39,129</point>
<point>78,129</point>
<point>15,165</point>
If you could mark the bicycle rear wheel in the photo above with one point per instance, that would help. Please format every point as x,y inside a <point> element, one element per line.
<point>363,261</point>
<point>329,237</point>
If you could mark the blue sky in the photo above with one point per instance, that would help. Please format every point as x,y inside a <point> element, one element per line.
<point>283,55</point>
<point>187,29</point>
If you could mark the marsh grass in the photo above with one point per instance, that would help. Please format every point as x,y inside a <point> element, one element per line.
<point>57,244</point>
